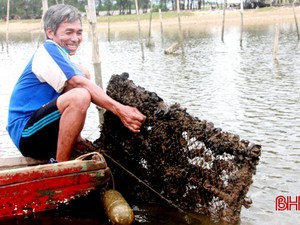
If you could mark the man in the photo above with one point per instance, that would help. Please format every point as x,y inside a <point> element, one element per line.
<point>49,103</point>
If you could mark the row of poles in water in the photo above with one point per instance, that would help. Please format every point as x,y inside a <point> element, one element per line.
<point>92,18</point>
<point>276,33</point>
<point>175,46</point>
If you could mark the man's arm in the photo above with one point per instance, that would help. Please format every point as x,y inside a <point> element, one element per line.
<point>84,71</point>
<point>131,117</point>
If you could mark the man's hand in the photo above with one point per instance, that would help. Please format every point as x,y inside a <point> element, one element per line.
<point>131,117</point>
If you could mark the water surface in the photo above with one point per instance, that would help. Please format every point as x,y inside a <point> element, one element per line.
<point>240,89</point>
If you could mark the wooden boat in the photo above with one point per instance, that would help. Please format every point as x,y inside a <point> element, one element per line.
<point>28,186</point>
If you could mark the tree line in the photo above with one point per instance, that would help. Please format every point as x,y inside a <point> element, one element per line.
<point>32,9</point>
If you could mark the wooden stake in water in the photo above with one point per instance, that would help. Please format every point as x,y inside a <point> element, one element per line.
<point>276,40</point>
<point>91,14</point>
<point>179,25</point>
<point>150,43</point>
<point>242,23</point>
<point>139,27</point>
<point>108,29</point>
<point>45,8</point>
<point>7,24</point>
<point>223,22</point>
<point>161,26</point>
<point>296,22</point>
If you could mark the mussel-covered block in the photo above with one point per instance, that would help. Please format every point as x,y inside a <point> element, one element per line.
<point>190,162</point>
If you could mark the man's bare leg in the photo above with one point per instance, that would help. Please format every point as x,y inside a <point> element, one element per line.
<point>73,106</point>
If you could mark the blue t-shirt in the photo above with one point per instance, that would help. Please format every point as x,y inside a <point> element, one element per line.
<point>42,81</point>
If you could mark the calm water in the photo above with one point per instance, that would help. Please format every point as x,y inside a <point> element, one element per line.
<point>241,90</point>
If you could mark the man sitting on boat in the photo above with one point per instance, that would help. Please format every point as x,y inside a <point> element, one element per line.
<point>50,100</point>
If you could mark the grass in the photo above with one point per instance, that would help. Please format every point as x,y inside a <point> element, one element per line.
<point>133,17</point>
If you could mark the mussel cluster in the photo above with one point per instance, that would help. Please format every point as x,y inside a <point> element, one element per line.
<point>196,166</point>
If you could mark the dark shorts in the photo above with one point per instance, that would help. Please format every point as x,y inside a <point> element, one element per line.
<point>39,137</point>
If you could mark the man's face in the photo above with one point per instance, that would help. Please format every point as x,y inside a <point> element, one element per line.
<point>68,35</point>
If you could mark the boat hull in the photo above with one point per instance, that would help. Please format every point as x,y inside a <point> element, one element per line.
<point>37,188</point>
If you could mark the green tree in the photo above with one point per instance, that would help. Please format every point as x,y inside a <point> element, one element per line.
<point>32,9</point>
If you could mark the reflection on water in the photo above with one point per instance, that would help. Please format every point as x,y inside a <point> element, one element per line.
<point>241,90</point>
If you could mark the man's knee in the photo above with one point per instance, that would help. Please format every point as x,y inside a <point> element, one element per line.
<point>81,97</point>
<point>82,93</point>
<point>77,97</point>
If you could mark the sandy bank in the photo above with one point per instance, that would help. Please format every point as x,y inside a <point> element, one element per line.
<point>198,18</point>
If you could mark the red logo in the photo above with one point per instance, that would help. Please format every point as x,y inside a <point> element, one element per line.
<point>287,203</point>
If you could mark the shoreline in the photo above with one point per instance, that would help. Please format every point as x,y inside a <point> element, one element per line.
<point>198,18</point>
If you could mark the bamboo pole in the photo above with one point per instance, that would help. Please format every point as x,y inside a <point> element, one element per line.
<point>223,21</point>
<point>276,40</point>
<point>161,26</point>
<point>242,23</point>
<point>139,28</point>
<point>150,43</point>
<point>91,14</point>
<point>296,22</point>
<point>108,28</point>
<point>45,8</point>
<point>179,26</point>
<point>7,24</point>
<point>2,46</point>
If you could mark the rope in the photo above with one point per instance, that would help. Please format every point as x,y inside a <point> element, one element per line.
<point>146,185</point>
<point>82,157</point>
<point>188,217</point>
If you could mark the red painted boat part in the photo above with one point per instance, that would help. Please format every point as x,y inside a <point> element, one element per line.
<point>43,187</point>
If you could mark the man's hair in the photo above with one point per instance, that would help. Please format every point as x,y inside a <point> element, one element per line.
<point>58,14</point>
